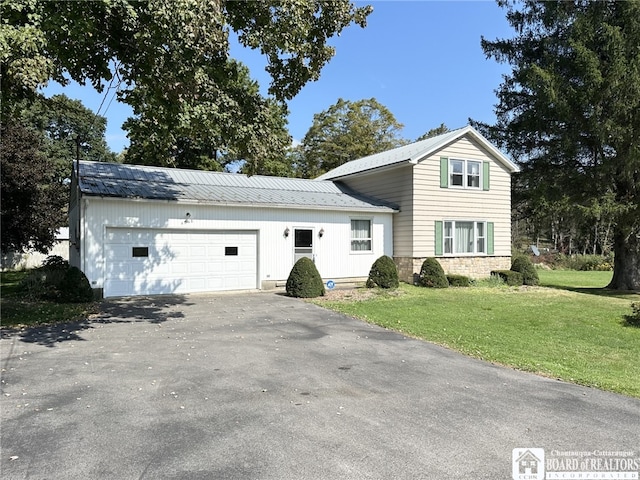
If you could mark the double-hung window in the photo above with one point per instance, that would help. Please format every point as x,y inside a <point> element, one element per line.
<point>361,240</point>
<point>464,173</point>
<point>464,237</point>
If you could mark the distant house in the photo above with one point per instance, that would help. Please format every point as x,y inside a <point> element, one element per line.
<point>454,196</point>
<point>33,259</point>
<point>138,230</point>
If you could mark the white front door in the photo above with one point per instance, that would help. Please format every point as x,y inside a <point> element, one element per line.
<point>303,244</point>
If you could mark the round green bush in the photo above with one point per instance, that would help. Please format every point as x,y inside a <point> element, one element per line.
<point>75,287</point>
<point>432,275</point>
<point>304,280</point>
<point>524,266</point>
<point>458,281</point>
<point>383,273</point>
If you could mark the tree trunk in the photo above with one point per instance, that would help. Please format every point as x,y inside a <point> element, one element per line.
<point>626,264</point>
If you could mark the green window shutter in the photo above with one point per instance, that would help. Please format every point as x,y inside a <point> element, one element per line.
<point>490,238</point>
<point>444,172</point>
<point>439,238</point>
<point>485,175</point>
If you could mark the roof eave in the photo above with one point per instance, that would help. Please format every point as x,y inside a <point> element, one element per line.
<point>186,201</point>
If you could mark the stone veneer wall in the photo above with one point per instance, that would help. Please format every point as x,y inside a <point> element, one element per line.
<point>472,267</point>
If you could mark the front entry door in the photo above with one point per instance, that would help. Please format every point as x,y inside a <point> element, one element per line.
<point>303,244</point>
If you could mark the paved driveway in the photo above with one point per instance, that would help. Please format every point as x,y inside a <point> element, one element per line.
<point>261,386</point>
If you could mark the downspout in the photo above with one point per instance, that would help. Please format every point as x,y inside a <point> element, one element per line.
<point>83,226</point>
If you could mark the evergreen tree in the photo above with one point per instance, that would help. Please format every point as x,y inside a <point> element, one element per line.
<point>569,112</point>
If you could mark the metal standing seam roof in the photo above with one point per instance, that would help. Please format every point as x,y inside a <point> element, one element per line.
<point>217,188</point>
<point>413,153</point>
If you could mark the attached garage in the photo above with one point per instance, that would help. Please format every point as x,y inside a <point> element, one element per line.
<point>159,261</point>
<point>140,230</point>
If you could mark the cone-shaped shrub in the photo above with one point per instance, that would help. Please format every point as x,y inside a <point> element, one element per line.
<point>432,274</point>
<point>75,287</point>
<point>304,280</point>
<point>383,273</point>
<point>524,266</point>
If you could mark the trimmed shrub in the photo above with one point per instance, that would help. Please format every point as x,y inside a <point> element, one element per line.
<point>44,282</point>
<point>524,266</point>
<point>458,281</point>
<point>304,280</point>
<point>55,261</point>
<point>432,275</point>
<point>589,263</point>
<point>511,278</point>
<point>75,287</point>
<point>383,273</point>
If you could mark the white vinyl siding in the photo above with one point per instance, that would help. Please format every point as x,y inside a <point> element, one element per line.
<point>275,251</point>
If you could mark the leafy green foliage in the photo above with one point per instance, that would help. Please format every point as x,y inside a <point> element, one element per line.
<point>33,199</point>
<point>458,280</point>
<point>58,282</point>
<point>304,280</point>
<point>432,274</point>
<point>511,278</point>
<point>55,261</point>
<point>523,265</point>
<point>383,273</point>
<point>20,309</point>
<point>347,131</point>
<point>43,283</point>
<point>169,60</point>
<point>75,287</point>
<point>569,112</point>
<point>40,140</point>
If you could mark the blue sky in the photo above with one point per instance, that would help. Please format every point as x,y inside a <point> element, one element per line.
<point>420,59</point>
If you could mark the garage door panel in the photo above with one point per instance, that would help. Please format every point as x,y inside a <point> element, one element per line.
<point>178,262</point>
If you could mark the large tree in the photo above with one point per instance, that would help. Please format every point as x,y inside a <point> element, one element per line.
<point>569,111</point>
<point>33,200</point>
<point>169,60</point>
<point>40,140</point>
<point>346,131</point>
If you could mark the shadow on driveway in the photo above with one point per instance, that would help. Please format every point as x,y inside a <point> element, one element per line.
<point>154,310</point>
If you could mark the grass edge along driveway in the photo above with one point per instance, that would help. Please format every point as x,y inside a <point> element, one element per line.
<point>572,331</point>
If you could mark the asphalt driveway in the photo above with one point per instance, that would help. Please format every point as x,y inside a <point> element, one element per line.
<point>261,386</point>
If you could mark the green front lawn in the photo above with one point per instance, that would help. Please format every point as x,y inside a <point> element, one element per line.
<point>16,310</point>
<point>573,331</point>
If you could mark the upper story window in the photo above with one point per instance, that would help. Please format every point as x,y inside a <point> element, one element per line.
<point>361,240</point>
<point>464,173</point>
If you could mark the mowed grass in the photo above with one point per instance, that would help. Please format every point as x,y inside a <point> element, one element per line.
<point>573,331</point>
<point>17,310</point>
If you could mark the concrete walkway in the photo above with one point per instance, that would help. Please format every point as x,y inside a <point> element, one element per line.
<point>261,386</point>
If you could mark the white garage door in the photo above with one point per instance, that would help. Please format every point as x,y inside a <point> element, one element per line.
<point>150,262</point>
